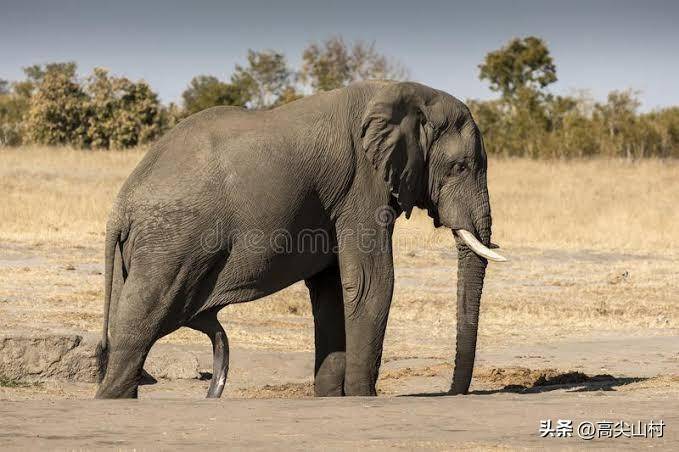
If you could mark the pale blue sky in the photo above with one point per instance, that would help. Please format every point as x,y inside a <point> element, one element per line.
<point>597,45</point>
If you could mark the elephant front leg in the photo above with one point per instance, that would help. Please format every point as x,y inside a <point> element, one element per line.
<point>367,275</point>
<point>326,300</point>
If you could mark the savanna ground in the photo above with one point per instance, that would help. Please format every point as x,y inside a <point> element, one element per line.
<point>582,323</point>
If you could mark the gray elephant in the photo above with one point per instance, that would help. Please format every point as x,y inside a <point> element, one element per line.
<point>200,222</point>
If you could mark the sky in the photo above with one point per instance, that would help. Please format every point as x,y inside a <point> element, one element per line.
<point>598,46</point>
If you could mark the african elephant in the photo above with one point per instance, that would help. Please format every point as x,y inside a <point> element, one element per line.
<point>179,240</point>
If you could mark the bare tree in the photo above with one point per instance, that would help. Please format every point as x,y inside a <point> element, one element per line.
<point>333,64</point>
<point>265,78</point>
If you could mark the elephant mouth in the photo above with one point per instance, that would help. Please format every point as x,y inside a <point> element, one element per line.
<point>477,247</point>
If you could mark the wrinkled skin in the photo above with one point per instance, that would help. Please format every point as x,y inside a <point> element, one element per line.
<point>181,236</point>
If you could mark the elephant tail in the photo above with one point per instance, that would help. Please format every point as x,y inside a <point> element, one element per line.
<point>112,239</point>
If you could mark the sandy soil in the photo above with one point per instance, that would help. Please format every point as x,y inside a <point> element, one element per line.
<point>506,405</point>
<point>503,421</point>
<point>612,366</point>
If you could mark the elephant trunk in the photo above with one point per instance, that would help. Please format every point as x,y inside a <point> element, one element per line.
<point>471,272</point>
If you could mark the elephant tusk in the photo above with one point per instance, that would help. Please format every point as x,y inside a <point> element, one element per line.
<point>478,247</point>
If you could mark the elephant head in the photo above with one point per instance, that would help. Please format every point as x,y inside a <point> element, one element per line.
<point>426,145</point>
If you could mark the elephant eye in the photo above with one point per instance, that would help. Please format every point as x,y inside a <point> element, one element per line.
<point>459,168</point>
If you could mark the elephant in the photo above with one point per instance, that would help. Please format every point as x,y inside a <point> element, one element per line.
<point>196,226</point>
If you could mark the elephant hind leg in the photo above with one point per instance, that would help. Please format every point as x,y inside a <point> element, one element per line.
<point>136,323</point>
<point>209,324</point>
<point>124,369</point>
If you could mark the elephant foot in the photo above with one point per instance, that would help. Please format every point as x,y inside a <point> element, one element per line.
<point>117,392</point>
<point>324,387</point>
<point>329,379</point>
<point>360,389</point>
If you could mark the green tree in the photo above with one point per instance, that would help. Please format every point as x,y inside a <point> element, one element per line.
<point>205,91</point>
<point>569,128</point>
<point>333,64</point>
<point>665,123</point>
<point>36,73</point>
<point>520,71</point>
<point>619,123</point>
<point>521,64</point>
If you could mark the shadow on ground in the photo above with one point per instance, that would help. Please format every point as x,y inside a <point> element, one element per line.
<point>545,381</point>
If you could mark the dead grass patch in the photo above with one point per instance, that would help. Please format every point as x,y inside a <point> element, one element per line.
<point>281,391</point>
<point>407,372</point>
<point>531,378</point>
<point>63,195</point>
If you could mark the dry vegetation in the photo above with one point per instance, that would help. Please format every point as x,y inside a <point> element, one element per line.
<point>594,248</point>
<point>62,196</point>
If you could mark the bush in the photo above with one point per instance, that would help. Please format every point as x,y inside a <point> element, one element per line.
<point>58,112</point>
<point>105,112</point>
<point>12,109</point>
<point>121,113</point>
<point>570,127</point>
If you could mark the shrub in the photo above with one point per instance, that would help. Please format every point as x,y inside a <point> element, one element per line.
<point>121,113</point>
<point>12,110</point>
<point>58,111</point>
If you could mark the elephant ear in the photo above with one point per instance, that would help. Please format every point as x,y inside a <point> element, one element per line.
<point>396,137</point>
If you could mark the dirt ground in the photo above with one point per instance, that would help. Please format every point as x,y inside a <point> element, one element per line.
<point>611,367</point>
<point>582,323</point>
<point>411,412</point>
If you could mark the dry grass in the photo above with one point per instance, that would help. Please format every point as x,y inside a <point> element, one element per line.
<point>599,204</point>
<point>57,195</point>
<point>594,247</point>
<point>593,204</point>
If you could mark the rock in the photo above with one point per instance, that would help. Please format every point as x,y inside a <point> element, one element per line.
<point>72,357</point>
<point>172,363</point>
<point>49,356</point>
